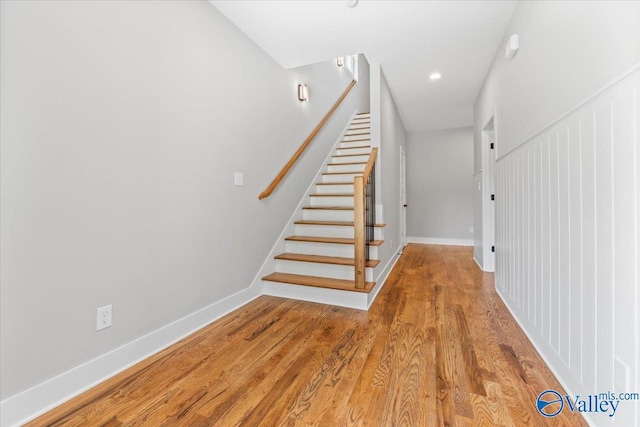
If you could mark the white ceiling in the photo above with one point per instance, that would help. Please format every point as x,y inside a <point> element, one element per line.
<point>410,39</point>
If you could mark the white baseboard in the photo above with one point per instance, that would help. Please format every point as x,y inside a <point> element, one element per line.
<point>440,241</point>
<point>31,403</point>
<point>383,276</point>
<point>548,361</point>
<point>479,265</point>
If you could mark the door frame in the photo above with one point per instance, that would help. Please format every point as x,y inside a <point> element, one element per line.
<point>489,185</point>
<point>403,198</point>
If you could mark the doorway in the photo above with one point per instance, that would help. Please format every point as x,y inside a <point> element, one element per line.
<point>489,202</point>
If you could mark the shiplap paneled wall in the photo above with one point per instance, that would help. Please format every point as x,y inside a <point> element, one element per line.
<point>567,237</point>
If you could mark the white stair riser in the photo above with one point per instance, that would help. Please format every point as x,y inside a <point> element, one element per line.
<point>335,189</point>
<point>343,177</point>
<point>327,215</point>
<point>350,144</point>
<point>332,231</point>
<point>350,158</point>
<point>333,271</point>
<point>346,168</point>
<point>361,122</point>
<point>324,231</point>
<point>342,152</point>
<point>326,249</point>
<point>364,133</point>
<point>352,138</point>
<point>360,125</point>
<point>331,201</point>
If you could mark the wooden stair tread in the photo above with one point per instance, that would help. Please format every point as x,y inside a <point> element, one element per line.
<point>355,140</point>
<point>372,263</point>
<point>343,173</point>
<point>350,155</point>
<point>336,240</point>
<point>331,195</point>
<point>336,223</point>
<point>345,164</point>
<point>318,282</point>
<point>335,183</point>
<point>330,208</point>
<point>356,148</point>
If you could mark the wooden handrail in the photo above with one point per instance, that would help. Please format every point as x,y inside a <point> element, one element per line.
<point>359,223</point>
<point>305,144</point>
<point>369,167</point>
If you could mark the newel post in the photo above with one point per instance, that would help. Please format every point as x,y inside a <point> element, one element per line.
<point>359,231</point>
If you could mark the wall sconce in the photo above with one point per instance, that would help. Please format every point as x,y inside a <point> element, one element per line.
<point>340,61</point>
<point>512,47</point>
<point>303,92</point>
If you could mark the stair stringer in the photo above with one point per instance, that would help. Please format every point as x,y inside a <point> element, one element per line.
<point>279,246</point>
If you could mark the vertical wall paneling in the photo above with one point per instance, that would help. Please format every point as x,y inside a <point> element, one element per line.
<point>568,236</point>
<point>523,229</point>
<point>604,244</point>
<point>537,300</point>
<point>564,305</point>
<point>575,249</point>
<point>532,227</point>
<point>624,248</point>
<point>637,260</point>
<point>554,267</point>
<point>590,316</point>
<point>547,237</point>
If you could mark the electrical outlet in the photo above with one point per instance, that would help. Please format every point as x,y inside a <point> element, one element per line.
<point>103,319</point>
<point>620,373</point>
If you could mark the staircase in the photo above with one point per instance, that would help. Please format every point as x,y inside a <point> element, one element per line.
<point>321,253</point>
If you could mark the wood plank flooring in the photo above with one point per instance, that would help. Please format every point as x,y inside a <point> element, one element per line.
<point>437,348</point>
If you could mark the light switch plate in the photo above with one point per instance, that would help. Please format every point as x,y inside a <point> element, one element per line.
<point>238,178</point>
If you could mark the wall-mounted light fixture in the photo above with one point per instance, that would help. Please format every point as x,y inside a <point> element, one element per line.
<point>303,92</point>
<point>512,46</point>
<point>340,61</point>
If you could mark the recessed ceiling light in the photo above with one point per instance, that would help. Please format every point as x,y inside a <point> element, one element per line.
<point>351,3</point>
<point>435,76</point>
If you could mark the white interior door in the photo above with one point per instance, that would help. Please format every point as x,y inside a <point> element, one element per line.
<point>403,198</point>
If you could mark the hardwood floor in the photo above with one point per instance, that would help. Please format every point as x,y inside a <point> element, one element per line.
<point>437,348</point>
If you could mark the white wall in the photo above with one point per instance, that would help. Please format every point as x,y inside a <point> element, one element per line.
<point>567,190</point>
<point>568,50</point>
<point>478,254</point>
<point>440,185</point>
<point>122,126</point>
<point>388,133</point>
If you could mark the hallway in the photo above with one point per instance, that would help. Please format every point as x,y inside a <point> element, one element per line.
<point>437,347</point>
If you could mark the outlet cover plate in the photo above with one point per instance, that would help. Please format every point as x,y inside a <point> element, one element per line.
<point>103,317</point>
<point>620,375</point>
